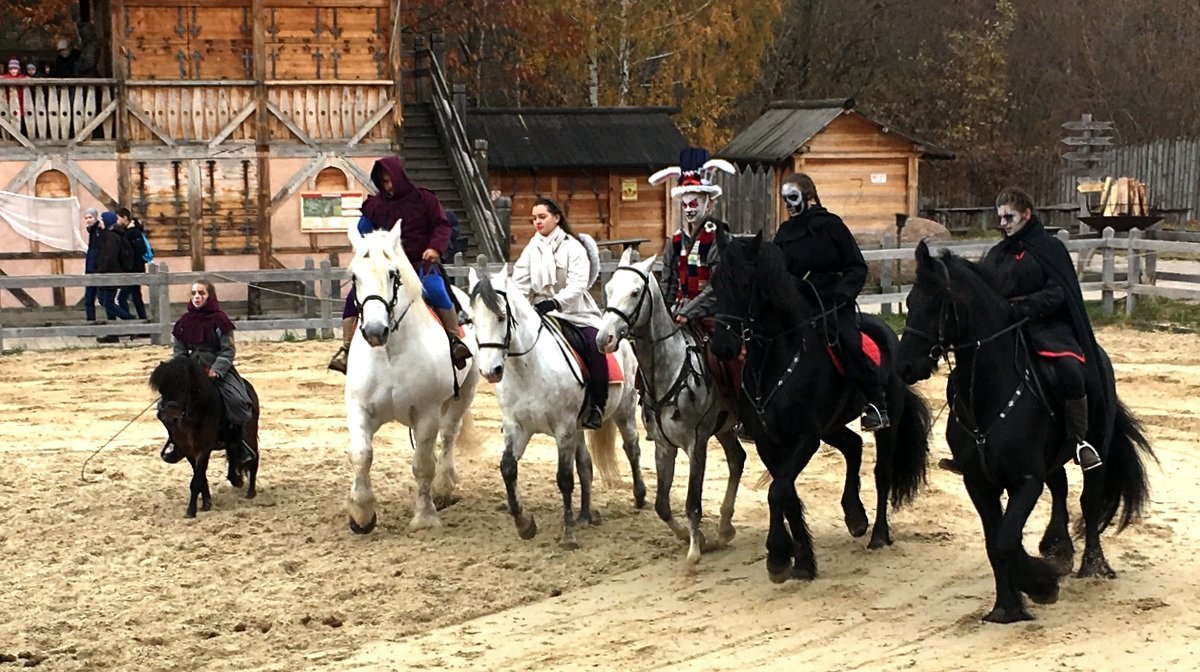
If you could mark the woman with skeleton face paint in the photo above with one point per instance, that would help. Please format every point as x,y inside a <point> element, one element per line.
<point>1036,274</point>
<point>822,254</point>
<point>691,253</point>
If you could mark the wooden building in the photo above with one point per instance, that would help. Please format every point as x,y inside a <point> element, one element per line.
<point>865,171</point>
<point>240,131</point>
<point>595,162</point>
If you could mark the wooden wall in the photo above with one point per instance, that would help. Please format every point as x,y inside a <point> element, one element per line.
<point>863,174</point>
<point>592,202</point>
<point>214,39</point>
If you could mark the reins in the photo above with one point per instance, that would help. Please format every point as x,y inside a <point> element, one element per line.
<point>83,468</point>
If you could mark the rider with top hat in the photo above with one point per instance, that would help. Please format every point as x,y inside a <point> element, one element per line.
<point>691,254</point>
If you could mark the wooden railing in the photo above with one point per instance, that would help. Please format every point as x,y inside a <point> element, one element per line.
<point>57,111</point>
<point>322,284</point>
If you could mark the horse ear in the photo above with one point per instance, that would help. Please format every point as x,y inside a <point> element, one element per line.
<point>924,258</point>
<point>646,264</point>
<point>394,238</point>
<point>626,257</point>
<point>356,238</point>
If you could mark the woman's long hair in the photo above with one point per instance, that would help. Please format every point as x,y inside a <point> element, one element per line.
<point>552,206</point>
<point>808,188</point>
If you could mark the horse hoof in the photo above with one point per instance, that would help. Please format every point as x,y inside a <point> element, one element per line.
<point>592,518</point>
<point>441,502</point>
<point>1047,598</point>
<point>778,577</point>
<point>419,523</point>
<point>191,513</point>
<point>639,500</point>
<point>779,573</point>
<point>529,531</point>
<point>1000,615</point>
<point>879,540</point>
<point>251,493</point>
<point>857,523</point>
<point>364,529</point>
<point>206,506</point>
<point>693,556</point>
<point>726,535</point>
<point>1061,563</point>
<point>569,545</point>
<point>235,479</point>
<point>1096,570</point>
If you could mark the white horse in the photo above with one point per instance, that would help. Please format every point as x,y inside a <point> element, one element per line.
<point>540,391</point>
<point>400,370</point>
<point>681,406</point>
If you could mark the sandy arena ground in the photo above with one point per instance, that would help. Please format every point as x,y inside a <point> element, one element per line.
<point>106,573</point>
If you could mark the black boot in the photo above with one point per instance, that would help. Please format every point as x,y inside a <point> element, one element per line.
<point>1076,412</point>
<point>594,417</point>
<point>237,442</point>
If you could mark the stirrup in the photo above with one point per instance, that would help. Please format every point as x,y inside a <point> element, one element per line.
<point>459,353</point>
<point>1086,456</point>
<point>874,418</point>
<point>339,361</point>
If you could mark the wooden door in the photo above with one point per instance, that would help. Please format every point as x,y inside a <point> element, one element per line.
<point>188,42</point>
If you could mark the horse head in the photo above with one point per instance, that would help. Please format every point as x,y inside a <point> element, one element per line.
<point>953,302</point>
<point>756,296</point>
<point>498,308</point>
<point>631,296</point>
<point>188,398</point>
<point>385,283</point>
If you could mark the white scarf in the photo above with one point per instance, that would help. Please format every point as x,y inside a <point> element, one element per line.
<point>543,269</point>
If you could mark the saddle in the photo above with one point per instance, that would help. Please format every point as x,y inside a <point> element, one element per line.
<point>576,343</point>
<point>727,376</point>
<point>461,332</point>
<point>869,347</point>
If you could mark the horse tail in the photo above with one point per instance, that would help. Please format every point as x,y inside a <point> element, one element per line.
<point>911,448</point>
<point>1126,485</point>
<point>602,445</point>
<point>469,440</point>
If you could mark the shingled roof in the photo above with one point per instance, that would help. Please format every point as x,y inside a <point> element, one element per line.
<point>590,137</point>
<point>788,125</point>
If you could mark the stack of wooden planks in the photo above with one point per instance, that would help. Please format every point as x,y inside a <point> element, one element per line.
<point>1123,196</point>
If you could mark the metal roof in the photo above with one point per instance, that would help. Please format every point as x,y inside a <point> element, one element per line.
<point>592,137</point>
<point>786,126</point>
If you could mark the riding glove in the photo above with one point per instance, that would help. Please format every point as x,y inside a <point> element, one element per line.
<point>546,306</point>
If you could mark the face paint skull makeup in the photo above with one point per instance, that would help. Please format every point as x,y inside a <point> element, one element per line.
<point>794,199</point>
<point>694,206</point>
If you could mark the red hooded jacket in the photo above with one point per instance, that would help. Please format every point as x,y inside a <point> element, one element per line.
<point>422,220</point>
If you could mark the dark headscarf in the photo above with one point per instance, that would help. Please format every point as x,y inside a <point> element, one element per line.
<point>200,325</point>
<point>423,221</point>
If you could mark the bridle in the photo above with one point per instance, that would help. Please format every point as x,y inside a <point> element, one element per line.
<point>630,318</point>
<point>509,322</point>
<point>388,304</point>
<point>941,349</point>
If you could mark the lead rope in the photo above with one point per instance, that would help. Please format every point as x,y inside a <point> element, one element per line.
<point>83,468</point>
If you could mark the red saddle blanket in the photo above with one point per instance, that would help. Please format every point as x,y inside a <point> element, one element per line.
<point>869,346</point>
<point>433,312</point>
<point>615,375</point>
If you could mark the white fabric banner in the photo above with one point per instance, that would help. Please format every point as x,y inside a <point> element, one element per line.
<point>53,221</point>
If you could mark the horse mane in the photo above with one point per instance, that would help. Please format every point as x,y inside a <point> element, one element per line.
<point>980,280</point>
<point>486,291</point>
<point>773,278</point>
<point>382,256</point>
<point>175,378</point>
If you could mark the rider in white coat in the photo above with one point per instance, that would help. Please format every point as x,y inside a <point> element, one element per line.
<point>554,271</point>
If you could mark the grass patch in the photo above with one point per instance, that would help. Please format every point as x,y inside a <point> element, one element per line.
<point>13,351</point>
<point>289,337</point>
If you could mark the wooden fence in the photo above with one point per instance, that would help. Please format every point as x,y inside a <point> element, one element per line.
<point>322,284</point>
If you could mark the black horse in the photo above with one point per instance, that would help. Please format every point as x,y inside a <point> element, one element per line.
<point>793,396</point>
<point>192,411</point>
<point>1006,433</point>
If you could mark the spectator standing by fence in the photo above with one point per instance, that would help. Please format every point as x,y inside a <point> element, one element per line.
<point>115,256</point>
<point>91,227</point>
<point>66,64</point>
<point>136,235</point>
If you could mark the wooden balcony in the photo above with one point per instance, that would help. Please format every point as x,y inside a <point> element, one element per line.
<point>55,114</point>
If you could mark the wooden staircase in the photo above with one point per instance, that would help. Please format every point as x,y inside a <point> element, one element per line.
<point>427,165</point>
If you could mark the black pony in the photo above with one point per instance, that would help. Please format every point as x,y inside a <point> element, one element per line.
<point>192,411</point>
<point>1007,434</point>
<point>792,397</point>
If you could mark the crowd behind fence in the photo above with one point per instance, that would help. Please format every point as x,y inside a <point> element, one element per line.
<point>322,285</point>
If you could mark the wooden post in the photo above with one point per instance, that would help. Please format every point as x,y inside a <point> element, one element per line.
<point>59,293</point>
<point>1106,296</point>
<point>459,96</point>
<point>262,135</point>
<point>310,307</point>
<point>481,160</point>
<point>396,70</point>
<point>163,301</point>
<point>195,210</point>
<point>325,302</point>
<point>1133,270</point>
<point>885,272</point>
<point>437,47</point>
<point>121,73</point>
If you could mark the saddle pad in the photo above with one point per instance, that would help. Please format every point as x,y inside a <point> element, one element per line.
<point>615,375</point>
<point>869,346</point>
<point>461,333</point>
